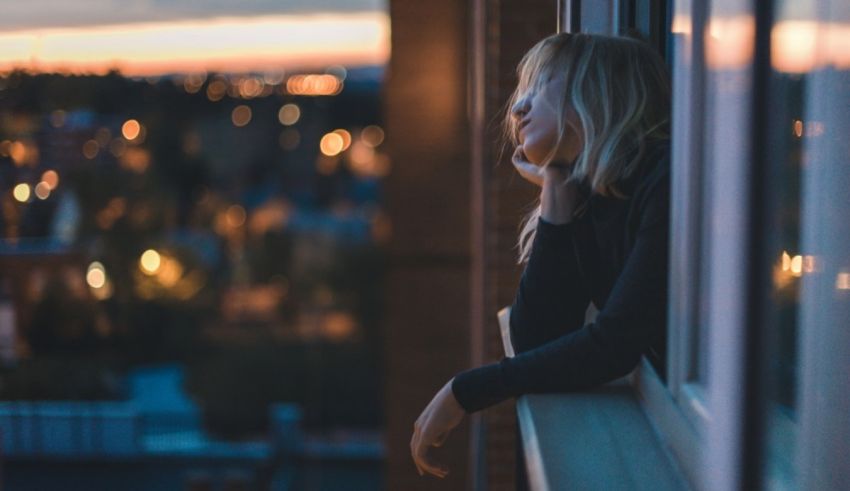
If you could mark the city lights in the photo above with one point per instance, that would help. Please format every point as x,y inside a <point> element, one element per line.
<point>22,192</point>
<point>331,144</point>
<point>289,114</point>
<point>346,138</point>
<point>42,190</point>
<point>216,90</point>
<point>372,135</point>
<point>18,152</point>
<point>236,216</point>
<point>131,129</point>
<point>251,87</point>
<point>51,178</point>
<point>241,116</point>
<point>90,149</point>
<point>314,85</point>
<point>150,262</point>
<point>96,275</point>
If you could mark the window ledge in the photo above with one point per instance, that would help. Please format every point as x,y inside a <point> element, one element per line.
<point>599,439</point>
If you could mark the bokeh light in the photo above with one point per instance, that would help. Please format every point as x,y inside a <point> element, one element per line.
<point>236,216</point>
<point>96,275</point>
<point>42,190</point>
<point>216,90</point>
<point>131,129</point>
<point>22,192</point>
<point>150,262</point>
<point>18,152</point>
<point>241,115</point>
<point>314,85</point>
<point>289,114</point>
<point>372,135</point>
<point>331,144</point>
<point>346,138</point>
<point>90,149</point>
<point>51,178</point>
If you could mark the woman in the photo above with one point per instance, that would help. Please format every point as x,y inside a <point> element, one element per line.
<point>590,122</point>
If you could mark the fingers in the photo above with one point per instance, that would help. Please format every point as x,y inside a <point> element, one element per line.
<point>419,451</point>
<point>527,170</point>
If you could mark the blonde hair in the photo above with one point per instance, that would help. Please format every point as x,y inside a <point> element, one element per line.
<point>620,90</point>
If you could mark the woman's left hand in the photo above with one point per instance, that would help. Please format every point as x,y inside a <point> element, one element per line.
<point>432,428</point>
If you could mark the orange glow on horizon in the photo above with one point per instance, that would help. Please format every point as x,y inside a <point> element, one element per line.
<point>230,44</point>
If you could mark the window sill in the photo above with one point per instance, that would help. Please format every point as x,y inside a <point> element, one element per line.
<point>599,439</point>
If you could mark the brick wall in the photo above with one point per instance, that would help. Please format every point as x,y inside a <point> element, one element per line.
<point>512,27</point>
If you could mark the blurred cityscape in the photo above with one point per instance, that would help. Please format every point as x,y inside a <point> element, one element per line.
<point>191,268</point>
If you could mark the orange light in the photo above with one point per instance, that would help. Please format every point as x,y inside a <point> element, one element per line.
<point>372,135</point>
<point>216,90</point>
<point>136,159</point>
<point>236,216</point>
<point>51,178</point>
<point>18,152</point>
<point>131,129</point>
<point>90,149</point>
<point>42,190</point>
<point>331,144</point>
<point>314,85</point>
<point>241,115</point>
<point>289,114</point>
<point>346,138</point>
<point>251,87</point>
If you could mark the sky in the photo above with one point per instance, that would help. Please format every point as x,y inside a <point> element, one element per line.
<point>152,37</point>
<point>28,14</point>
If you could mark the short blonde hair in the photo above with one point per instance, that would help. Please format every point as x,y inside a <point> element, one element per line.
<point>619,88</point>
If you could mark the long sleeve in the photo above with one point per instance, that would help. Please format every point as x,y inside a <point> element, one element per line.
<point>551,299</point>
<point>631,319</point>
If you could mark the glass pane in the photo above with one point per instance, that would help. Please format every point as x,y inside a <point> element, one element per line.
<point>791,136</point>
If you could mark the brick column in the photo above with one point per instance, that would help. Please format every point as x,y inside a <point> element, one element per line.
<point>428,200</point>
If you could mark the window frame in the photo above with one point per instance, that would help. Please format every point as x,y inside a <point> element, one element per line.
<point>708,425</point>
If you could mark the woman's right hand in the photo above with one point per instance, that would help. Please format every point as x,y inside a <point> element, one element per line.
<point>530,172</point>
<point>558,195</point>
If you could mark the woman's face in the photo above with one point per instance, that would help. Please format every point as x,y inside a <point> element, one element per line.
<point>536,115</point>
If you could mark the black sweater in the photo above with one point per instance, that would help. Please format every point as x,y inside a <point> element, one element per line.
<point>614,253</point>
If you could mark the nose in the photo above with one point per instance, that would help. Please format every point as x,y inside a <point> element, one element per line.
<point>521,107</point>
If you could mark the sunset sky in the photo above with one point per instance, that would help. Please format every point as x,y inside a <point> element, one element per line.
<point>150,37</point>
